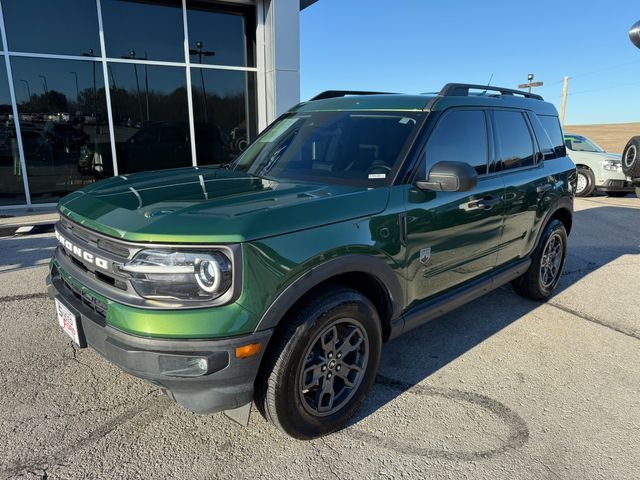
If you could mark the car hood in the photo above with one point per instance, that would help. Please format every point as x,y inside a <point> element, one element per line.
<point>213,205</point>
<point>596,155</point>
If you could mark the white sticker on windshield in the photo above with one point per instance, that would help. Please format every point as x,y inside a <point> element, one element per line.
<point>373,176</point>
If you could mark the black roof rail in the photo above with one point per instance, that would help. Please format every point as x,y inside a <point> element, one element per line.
<point>462,90</point>
<point>344,93</point>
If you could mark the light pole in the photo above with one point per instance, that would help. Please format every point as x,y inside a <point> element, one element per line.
<point>75,74</point>
<point>26,84</point>
<point>132,55</point>
<point>89,53</point>
<point>202,53</point>
<point>44,83</point>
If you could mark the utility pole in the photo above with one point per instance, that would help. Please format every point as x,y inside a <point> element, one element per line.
<point>563,107</point>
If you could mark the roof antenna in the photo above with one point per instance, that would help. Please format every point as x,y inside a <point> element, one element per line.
<point>488,83</point>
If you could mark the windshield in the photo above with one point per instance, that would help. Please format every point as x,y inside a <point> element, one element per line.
<point>354,148</point>
<point>578,143</point>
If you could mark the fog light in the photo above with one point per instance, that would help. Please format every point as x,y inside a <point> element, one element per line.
<point>183,366</point>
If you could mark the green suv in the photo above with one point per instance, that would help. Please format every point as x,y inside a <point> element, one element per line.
<point>352,219</point>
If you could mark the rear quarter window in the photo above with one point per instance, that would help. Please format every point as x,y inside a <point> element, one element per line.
<point>551,126</point>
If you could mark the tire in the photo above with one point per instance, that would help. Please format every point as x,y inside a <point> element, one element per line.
<point>308,349</point>
<point>586,182</point>
<point>617,194</point>
<point>631,158</point>
<point>534,284</point>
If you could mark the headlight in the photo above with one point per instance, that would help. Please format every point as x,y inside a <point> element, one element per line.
<point>612,165</point>
<point>180,275</point>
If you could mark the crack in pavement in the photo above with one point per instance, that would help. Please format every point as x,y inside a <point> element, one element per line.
<point>27,296</point>
<point>624,331</point>
<point>155,406</point>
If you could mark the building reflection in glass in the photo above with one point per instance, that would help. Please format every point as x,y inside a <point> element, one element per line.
<point>223,110</point>
<point>61,104</point>
<point>150,116</point>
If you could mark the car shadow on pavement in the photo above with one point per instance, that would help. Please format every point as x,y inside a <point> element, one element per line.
<point>19,252</point>
<point>599,236</point>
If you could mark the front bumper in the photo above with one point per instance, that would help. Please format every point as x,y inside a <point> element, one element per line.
<point>227,383</point>
<point>615,186</point>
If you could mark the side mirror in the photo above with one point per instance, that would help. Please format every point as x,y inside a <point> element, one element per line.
<point>450,177</point>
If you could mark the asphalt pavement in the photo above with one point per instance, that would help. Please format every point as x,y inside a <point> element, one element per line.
<point>502,388</point>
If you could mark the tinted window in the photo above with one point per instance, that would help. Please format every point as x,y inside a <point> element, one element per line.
<point>63,120</point>
<point>551,125</point>
<point>143,30</point>
<point>11,183</point>
<point>150,116</point>
<point>220,36</point>
<point>224,109</point>
<point>68,27</point>
<point>515,145</point>
<point>544,142</point>
<point>460,136</point>
<point>355,148</point>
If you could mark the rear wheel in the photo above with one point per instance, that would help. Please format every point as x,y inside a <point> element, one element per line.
<point>631,158</point>
<point>547,263</point>
<point>586,182</point>
<point>324,364</point>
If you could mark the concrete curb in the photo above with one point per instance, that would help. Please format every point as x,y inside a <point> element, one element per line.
<point>20,230</point>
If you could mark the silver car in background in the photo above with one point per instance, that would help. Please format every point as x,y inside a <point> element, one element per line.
<point>597,169</point>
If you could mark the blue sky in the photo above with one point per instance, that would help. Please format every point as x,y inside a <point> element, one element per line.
<point>419,45</point>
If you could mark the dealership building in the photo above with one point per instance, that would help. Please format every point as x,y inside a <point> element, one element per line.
<point>96,88</point>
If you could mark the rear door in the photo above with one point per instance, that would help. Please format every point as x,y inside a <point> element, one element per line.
<point>452,237</point>
<point>519,163</point>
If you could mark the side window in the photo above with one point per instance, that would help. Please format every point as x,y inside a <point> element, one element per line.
<point>544,142</point>
<point>515,145</point>
<point>551,125</point>
<point>460,136</point>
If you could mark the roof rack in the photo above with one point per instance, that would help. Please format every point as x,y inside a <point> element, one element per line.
<point>462,90</point>
<point>344,93</point>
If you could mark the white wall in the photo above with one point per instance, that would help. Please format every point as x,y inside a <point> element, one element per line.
<point>278,44</point>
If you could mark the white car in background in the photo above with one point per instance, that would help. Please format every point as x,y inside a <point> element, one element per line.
<point>597,169</point>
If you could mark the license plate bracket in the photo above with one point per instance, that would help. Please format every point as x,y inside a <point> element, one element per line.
<point>70,323</point>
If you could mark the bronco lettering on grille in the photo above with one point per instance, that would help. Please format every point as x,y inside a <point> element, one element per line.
<point>82,254</point>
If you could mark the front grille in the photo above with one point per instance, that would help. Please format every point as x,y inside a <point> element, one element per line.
<point>87,299</point>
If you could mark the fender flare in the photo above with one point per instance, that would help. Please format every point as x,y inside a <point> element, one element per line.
<point>353,263</point>
<point>563,203</point>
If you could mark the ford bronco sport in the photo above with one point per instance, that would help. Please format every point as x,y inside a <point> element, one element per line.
<point>351,220</point>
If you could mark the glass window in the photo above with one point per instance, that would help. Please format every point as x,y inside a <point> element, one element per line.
<point>515,145</point>
<point>63,122</point>
<point>353,148</point>
<point>11,183</point>
<point>144,30</point>
<point>551,125</point>
<point>221,36</point>
<point>66,27</point>
<point>460,136</point>
<point>150,116</point>
<point>224,113</point>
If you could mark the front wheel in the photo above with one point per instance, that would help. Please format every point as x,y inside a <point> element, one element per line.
<point>586,182</point>
<point>324,364</point>
<point>547,263</point>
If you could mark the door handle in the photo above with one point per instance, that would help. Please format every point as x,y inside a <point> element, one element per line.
<point>487,203</point>
<point>544,188</point>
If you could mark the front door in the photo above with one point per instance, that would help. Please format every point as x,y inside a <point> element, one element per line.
<point>453,237</point>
